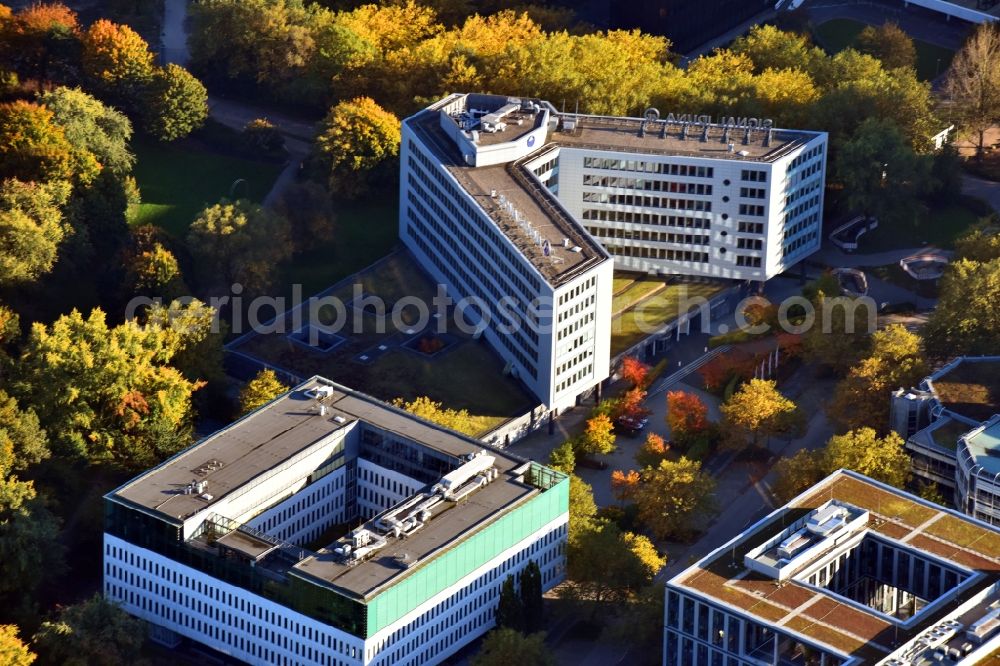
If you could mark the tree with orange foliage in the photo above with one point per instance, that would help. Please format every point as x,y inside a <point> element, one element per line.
<point>653,450</point>
<point>630,404</point>
<point>686,413</point>
<point>623,484</point>
<point>41,40</point>
<point>634,371</point>
<point>117,59</point>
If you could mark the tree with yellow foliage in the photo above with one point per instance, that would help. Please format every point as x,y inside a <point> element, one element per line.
<point>260,390</point>
<point>675,497</point>
<point>13,651</point>
<point>756,409</point>
<point>116,59</point>
<point>357,138</point>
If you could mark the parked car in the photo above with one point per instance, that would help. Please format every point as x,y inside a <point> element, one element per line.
<point>630,425</point>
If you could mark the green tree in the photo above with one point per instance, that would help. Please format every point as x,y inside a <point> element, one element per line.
<point>32,146</point>
<point>510,610</point>
<point>597,437</point>
<point>840,334</point>
<point>308,208</point>
<point>582,508</point>
<point>107,393</point>
<point>239,242</point>
<point>175,104</point>
<point>980,243</point>
<point>260,390</point>
<point>966,320</point>
<point>13,651</point>
<point>675,498</point>
<point>502,647</point>
<point>972,86</point>
<point>155,271</point>
<point>21,430</point>
<point>355,140</point>
<point>530,587</point>
<point>29,534</point>
<point>756,409</point>
<point>31,228</point>
<point>99,134</point>
<point>797,474</point>
<point>889,44</point>
<point>607,565</point>
<point>880,172</point>
<point>895,361</point>
<point>96,632</point>
<point>862,450</point>
<point>563,458</point>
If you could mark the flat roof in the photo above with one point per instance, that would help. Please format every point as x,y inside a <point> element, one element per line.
<point>659,137</point>
<point>267,437</point>
<point>289,425</point>
<point>969,386</point>
<point>449,523</point>
<point>823,618</point>
<point>534,202</point>
<point>984,445</point>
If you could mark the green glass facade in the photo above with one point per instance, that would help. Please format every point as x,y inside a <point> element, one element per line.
<point>446,569</point>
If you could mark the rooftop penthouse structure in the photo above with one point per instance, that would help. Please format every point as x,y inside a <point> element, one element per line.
<point>951,424</point>
<point>509,199</point>
<point>850,572</point>
<point>329,528</point>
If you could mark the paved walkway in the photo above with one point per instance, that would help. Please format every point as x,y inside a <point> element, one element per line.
<point>174,35</point>
<point>987,190</point>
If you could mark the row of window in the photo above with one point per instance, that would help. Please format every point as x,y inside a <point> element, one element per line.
<point>570,294</point>
<point>474,605</point>
<point>750,227</point>
<point>649,185</point>
<point>749,244</point>
<point>753,193</point>
<point>752,209</point>
<point>805,156</point>
<point>680,221</point>
<point>648,167</point>
<point>647,201</point>
<point>753,175</point>
<point>659,253</point>
<point>748,261</point>
<point>582,373</point>
<point>655,236</point>
<point>576,308</point>
<point>307,513</point>
<point>804,190</point>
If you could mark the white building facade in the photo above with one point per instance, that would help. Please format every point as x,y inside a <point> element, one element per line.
<point>251,588</point>
<point>527,212</point>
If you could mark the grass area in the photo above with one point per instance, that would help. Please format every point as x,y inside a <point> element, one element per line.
<point>634,324</point>
<point>621,282</point>
<point>838,34</point>
<point>972,389</point>
<point>938,226</point>
<point>177,180</point>
<point>965,534</point>
<point>363,233</point>
<point>948,434</point>
<point>635,293</point>
<point>468,375</point>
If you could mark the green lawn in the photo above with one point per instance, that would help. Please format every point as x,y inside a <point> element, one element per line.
<point>636,292</point>
<point>178,180</point>
<point>838,34</point>
<point>931,226</point>
<point>466,376</point>
<point>633,325</point>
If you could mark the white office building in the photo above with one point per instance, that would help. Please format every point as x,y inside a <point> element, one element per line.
<point>508,200</point>
<point>329,529</point>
